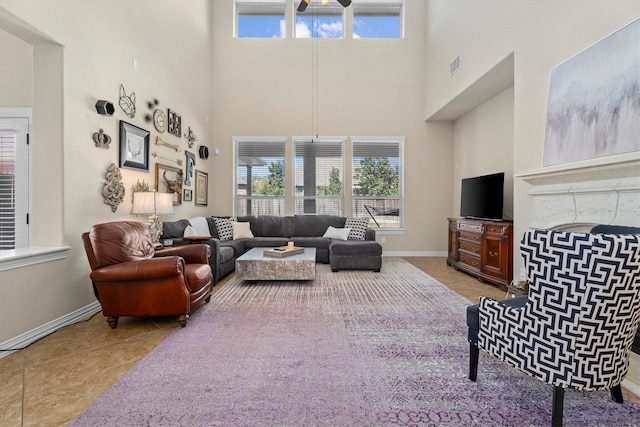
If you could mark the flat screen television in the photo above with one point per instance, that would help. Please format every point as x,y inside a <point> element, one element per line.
<point>482,197</point>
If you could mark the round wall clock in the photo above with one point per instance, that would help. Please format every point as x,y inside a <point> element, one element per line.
<point>159,120</point>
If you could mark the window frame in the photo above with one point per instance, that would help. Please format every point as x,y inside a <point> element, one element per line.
<point>356,140</point>
<point>341,199</point>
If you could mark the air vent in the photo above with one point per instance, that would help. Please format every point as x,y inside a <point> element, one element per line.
<point>454,66</point>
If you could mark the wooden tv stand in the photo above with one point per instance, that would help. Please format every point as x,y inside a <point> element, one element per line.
<point>483,249</point>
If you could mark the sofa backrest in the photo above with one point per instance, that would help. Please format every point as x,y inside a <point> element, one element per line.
<point>269,225</point>
<point>315,225</point>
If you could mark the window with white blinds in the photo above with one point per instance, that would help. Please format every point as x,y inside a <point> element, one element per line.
<point>319,175</point>
<point>14,183</point>
<point>378,19</point>
<point>260,175</point>
<point>260,18</point>
<point>377,180</point>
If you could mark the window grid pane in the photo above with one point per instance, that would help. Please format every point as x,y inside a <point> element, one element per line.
<point>260,19</point>
<point>376,191</point>
<point>260,178</point>
<point>319,177</point>
<point>321,22</point>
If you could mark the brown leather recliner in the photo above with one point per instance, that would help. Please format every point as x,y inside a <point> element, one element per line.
<point>131,278</point>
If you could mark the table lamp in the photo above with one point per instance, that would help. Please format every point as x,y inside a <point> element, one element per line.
<point>153,204</point>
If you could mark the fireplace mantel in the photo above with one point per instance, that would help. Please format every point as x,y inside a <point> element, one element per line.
<point>578,195</point>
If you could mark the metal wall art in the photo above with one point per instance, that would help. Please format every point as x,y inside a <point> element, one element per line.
<point>128,102</point>
<point>105,107</point>
<point>191,162</point>
<point>140,186</point>
<point>101,139</point>
<point>178,161</point>
<point>174,126</point>
<point>190,137</point>
<point>113,189</point>
<point>134,147</point>
<point>160,141</point>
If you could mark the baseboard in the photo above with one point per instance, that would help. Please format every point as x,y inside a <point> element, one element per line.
<point>29,337</point>
<point>415,253</point>
<point>631,387</point>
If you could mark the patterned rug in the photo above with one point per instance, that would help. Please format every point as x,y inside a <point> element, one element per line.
<point>352,348</point>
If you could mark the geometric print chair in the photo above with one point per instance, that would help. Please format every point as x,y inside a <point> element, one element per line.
<point>577,324</point>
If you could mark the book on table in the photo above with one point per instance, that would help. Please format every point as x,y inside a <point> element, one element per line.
<point>283,251</point>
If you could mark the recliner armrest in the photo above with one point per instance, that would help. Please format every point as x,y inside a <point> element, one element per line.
<point>149,269</point>
<point>192,254</point>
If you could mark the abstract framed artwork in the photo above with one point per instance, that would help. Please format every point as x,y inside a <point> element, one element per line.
<point>593,105</point>
<point>202,188</point>
<point>134,147</point>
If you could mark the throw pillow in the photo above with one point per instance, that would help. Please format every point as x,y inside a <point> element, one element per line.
<point>200,226</point>
<point>189,231</point>
<point>358,227</point>
<point>337,233</point>
<point>241,230</point>
<point>224,227</point>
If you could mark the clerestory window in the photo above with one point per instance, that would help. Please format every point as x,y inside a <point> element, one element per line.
<point>260,18</point>
<point>378,19</point>
<point>320,21</point>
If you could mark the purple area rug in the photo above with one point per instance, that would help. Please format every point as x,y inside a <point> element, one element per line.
<point>348,349</point>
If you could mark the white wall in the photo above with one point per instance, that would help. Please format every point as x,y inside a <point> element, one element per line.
<point>365,87</point>
<point>483,144</point>
<point>16,69</point>
<point>86,50</point>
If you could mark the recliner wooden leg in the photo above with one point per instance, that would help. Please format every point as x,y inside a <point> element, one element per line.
<point>558,406</point>
<point>113,321</point>
<point>473,361</point>
<point>183,320</point>
<point>616,394</point>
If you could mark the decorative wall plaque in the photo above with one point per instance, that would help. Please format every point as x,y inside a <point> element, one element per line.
<point>113,189</point>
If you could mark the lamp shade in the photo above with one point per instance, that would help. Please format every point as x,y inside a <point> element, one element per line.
<point>152,203</point>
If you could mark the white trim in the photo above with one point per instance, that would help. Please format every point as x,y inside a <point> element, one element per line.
<point>25,257</point>
<point>29,337</point>
<point>631,386</point>
<point>260,139</point>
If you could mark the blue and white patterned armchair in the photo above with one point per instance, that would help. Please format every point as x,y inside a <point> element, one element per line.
<point>576,327</point>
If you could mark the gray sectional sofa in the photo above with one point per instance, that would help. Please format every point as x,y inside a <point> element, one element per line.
<point>270,231</point>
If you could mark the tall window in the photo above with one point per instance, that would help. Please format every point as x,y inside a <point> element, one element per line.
<point>320,21</point>
<point>377,20</point>
<point>260,19</point>
<point>377,180</point>
<point>14,182</point>
<point>319,176</point>
<point>260,176</point>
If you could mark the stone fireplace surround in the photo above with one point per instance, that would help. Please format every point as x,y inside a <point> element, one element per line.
<point>577,196</point>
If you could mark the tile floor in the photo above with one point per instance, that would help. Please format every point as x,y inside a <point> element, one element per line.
<point>53,380</point>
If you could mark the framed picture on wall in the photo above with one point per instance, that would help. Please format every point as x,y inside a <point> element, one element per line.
<point>134,147</point>
<point>169,180</point>
<point>188,195</point>
<point>202,188</point>
<point>174,125</point>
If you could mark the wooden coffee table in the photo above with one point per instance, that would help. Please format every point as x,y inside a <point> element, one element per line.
<point>254,265</point>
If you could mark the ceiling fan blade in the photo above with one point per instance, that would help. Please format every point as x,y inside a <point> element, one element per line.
<point>303,5</point>
<point>344,3</point>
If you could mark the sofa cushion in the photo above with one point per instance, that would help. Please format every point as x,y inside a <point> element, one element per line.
<point>226,253</point>
<point>224,228</point>
<point>320,243</point>
<point>174,229</point>
<point>315,225</point>
<point>355,248</point>
<point>241,230</point>
<point>188,232</point>
<point>337,233</point>
<point>271,226</point>
<point>238,246</point>
<point>358,227</point>
<point>264,242</point>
